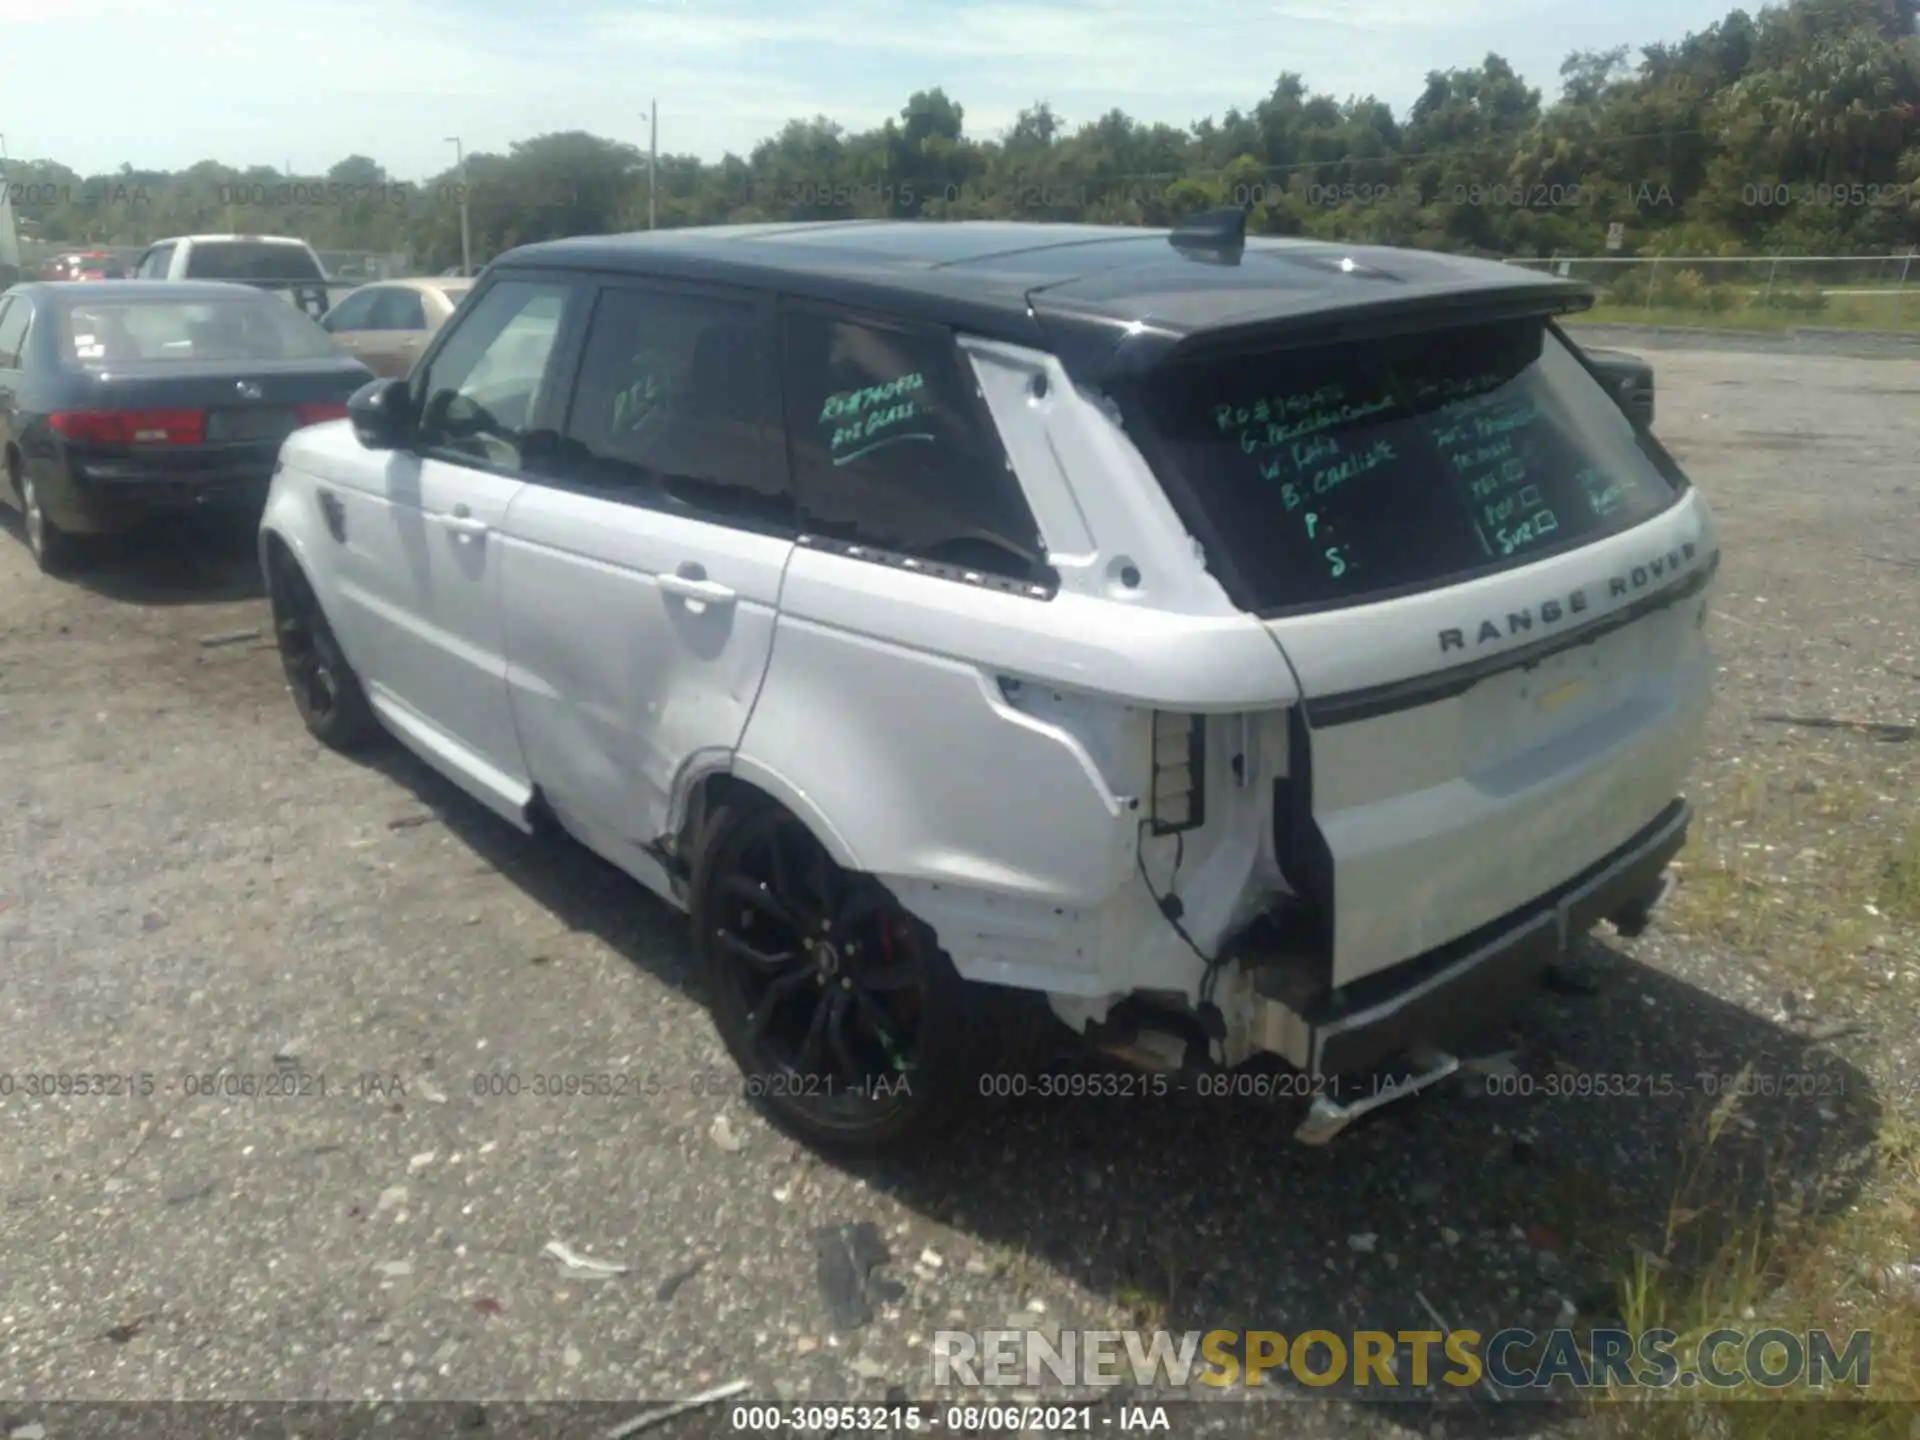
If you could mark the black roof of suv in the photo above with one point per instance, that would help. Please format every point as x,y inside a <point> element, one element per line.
<point>1106,298</point>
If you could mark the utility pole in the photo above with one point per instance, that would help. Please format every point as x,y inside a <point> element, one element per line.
<point>466,234</point>
<point>653,157</point>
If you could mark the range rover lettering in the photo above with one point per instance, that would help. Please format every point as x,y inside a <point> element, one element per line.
<point>982,627</point>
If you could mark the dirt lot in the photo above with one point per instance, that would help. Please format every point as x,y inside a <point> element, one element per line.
<point>192,887</point>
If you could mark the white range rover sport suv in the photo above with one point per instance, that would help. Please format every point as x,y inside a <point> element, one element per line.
<point>1231,648</point>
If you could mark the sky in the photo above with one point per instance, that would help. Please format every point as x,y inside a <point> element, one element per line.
<point>251,82</point>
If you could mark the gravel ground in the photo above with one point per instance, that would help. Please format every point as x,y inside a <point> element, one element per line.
<point>194,888</point>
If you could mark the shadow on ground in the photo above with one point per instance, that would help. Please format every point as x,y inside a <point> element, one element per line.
<point>191,562</point>
<point>1484,1204</point>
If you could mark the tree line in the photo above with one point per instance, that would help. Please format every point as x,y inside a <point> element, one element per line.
<point>1795,130</point>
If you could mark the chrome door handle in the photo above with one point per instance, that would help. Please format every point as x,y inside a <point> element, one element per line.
<point>708,592</point>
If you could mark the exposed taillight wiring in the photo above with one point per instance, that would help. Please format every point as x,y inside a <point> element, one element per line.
<point>1171,907</point>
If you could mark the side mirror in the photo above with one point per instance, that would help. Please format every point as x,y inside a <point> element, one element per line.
<point>381,415</point>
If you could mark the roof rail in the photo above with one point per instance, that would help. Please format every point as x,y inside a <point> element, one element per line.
<point>1216,235</point>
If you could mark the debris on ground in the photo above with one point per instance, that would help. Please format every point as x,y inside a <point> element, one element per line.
<point>1446,1332</point>
<point>848,1256</point>
<point>410,822</point>
<point>227,637</point>
<point>670,1286</point>
<point>723,1134</point>
<point>1877,729</point>
<point>123,1332</point>
<point>585,1266</point>
<point>1498,1066</point>
<point>695,1402</point>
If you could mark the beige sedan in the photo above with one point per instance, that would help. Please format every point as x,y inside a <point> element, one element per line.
<point>387,324</point>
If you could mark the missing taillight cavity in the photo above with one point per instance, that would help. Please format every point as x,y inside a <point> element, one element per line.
<point>131,427</point>
<point>1178,801</point>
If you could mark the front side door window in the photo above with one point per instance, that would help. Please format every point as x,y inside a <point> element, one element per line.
<point>480,394</point>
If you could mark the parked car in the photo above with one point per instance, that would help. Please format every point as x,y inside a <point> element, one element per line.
<point>386,325</point>
<point>1227,647</point>
<point>278,263</point>
<point>128,400</point>
<point>83,265</point>
<point>1631,379</point>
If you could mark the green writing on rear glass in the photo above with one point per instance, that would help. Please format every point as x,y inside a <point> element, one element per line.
<point>1299,446</point>
<point>1490,451</point>
<point>1604,494</point>
<point>1279,420</point>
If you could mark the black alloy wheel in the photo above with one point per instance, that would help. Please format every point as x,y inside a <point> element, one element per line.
<point>324,688</point>
<point>851,1026</point>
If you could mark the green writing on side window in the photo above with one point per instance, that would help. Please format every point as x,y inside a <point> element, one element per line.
<point>861,421</point>
<point>852,402</point>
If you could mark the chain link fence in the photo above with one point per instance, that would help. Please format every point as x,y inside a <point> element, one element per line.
<point>1860,292</point>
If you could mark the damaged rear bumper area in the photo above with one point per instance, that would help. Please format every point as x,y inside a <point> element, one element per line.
<point>1434,1001</point>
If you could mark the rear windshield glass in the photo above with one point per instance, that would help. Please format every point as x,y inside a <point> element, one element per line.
<point>1336,474</point>
<point>128,331</point>
<point>249,260</point>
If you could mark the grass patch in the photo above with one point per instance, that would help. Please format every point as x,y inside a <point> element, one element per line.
<point>1843,312</point>
<point>1814,873</point>
<point>1795,1269</point>
<point>1900,877</point>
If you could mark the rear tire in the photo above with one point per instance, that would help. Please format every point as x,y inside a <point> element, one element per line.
<point>852,1028</point>
<point>325,690</point>
<point>53,550</point>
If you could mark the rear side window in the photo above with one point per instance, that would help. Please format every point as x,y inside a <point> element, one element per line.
<point>397,309</point>
<point>893,449</point>
<point>1334,475</point>
<point>249,260</point>
<point>156,263</point>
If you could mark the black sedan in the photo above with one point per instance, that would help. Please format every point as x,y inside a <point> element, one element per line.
<point>125,400</point>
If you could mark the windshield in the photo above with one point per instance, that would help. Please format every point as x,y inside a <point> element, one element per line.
<point>126,331</point>
<point>1331,475</point>
<point>250,260</point>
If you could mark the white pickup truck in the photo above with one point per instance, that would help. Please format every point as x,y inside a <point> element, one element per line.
<point>267,262</point>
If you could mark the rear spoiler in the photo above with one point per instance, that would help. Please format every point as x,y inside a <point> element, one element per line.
<point>1101,352</point>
